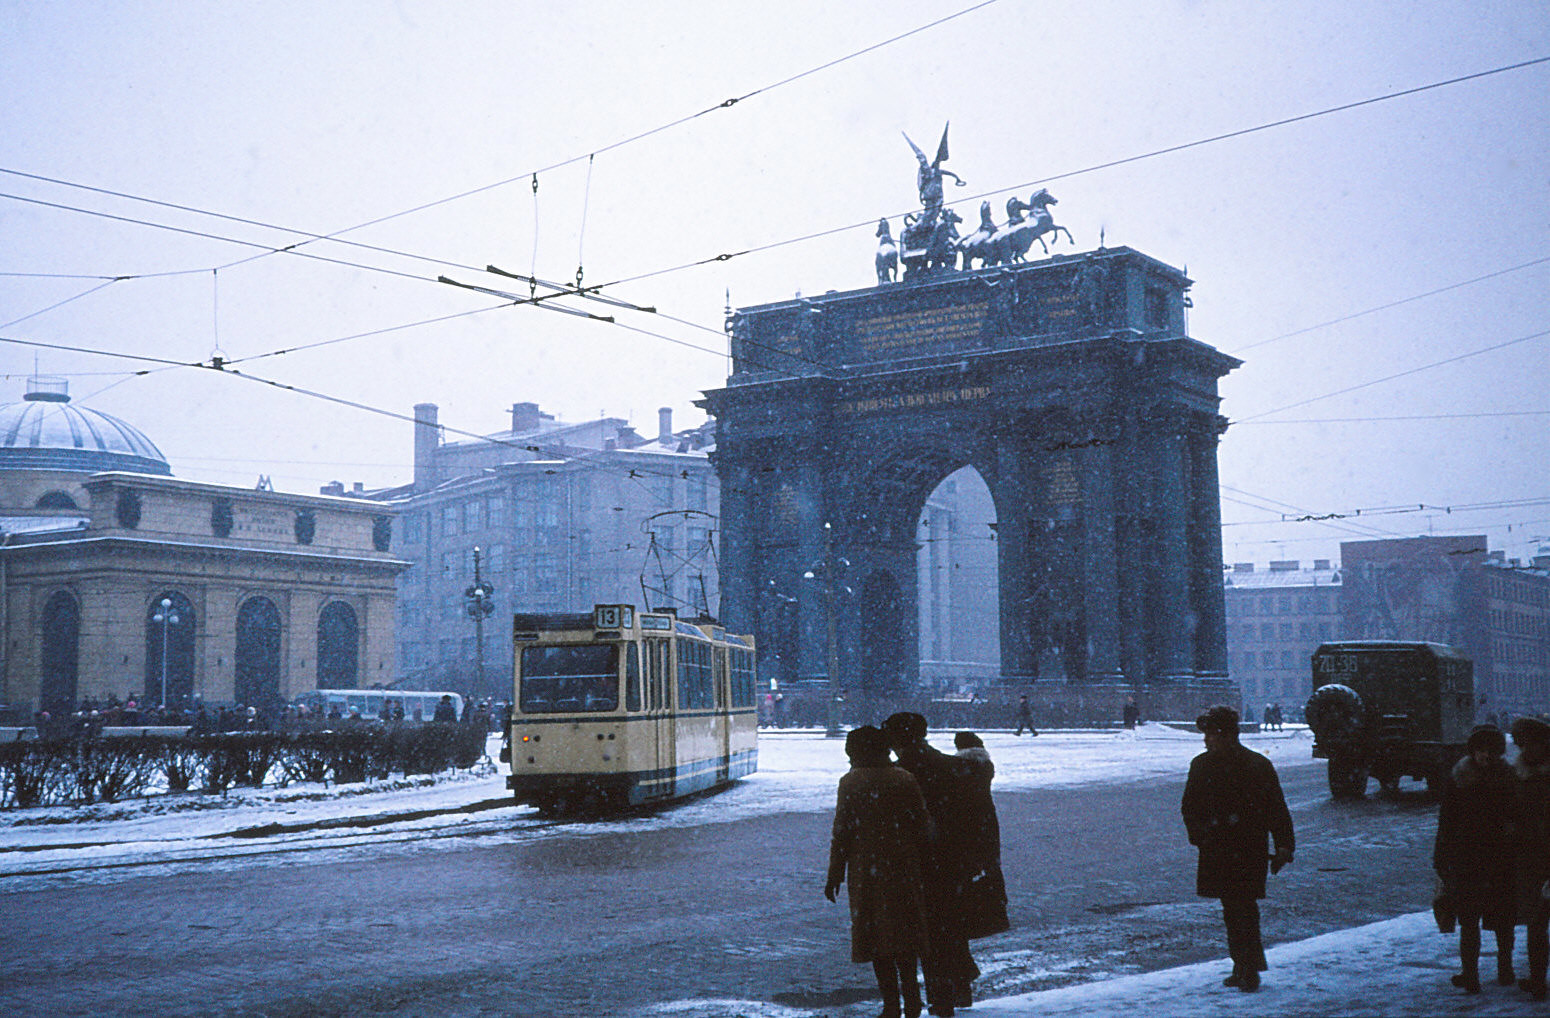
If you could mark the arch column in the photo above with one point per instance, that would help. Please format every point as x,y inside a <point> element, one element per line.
<point>1173,605</point>
<point>1206,548</point>
<point>1100,564</point>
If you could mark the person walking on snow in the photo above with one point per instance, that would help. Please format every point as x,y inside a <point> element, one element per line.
<point>1024,717</point>
<point>1233,808</point>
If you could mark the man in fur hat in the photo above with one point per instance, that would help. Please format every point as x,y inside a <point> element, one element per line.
<point>1233,807</point>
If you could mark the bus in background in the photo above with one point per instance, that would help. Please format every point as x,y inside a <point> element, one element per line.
<point>369,703</point>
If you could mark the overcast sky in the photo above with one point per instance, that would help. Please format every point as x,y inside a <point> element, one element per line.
<point>318,117</point>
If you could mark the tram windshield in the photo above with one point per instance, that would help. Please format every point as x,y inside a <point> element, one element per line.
<point>566,678</point>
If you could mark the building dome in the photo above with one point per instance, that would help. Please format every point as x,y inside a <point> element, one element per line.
<point>45,432</point>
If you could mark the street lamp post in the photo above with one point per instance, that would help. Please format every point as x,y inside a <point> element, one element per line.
<point>168,618</point>
<point>479,605</point>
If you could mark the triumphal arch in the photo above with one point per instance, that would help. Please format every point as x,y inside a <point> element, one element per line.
<point>1068,382</point>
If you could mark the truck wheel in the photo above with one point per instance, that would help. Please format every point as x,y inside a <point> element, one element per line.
<point>1347,779</point>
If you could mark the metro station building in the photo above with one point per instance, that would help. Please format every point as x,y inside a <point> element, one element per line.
<point>117,578</point>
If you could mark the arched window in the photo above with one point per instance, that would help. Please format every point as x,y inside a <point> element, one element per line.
<point>169,628</point>
<point>258,655</point>
<point>56,500</point>
<point>338,647</point>
<point>61,646</point>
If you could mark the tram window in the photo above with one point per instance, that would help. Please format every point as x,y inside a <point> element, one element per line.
<point>720,659</point>
<point>569,678</point>
<point>657,667</point>
<point>632,690</point>
<point>742,678</point>
<point>694,676</point>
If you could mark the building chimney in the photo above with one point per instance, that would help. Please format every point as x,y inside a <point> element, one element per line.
<point>1321,564</point>
<point>358,488</point>
<point>1285,566</point>
<point>664,424</point>
<point>427,439</point>
<point>331,488</point>
<point>525,418</point>
<point>1243,567</point>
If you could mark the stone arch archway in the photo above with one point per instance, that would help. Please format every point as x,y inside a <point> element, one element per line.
<point>61,643</point>
<point>258,655</point>
<point>1095,433</point>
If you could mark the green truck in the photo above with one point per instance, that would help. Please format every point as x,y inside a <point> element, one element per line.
<point>1390,710</point>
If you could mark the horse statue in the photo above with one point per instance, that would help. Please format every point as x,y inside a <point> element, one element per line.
<point>887,254</point>
<point>1020,237</point>
<point>930,241</point>
<point>981,243</point>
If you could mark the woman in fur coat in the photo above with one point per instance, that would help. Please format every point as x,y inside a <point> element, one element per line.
<point>1474,853</point>
<point>982,898</point>
<point>880,841</point>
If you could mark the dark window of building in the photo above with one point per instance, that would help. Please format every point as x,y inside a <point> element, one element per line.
<point>448,520</point>
<point>306,527</point>
<point>221,517</point>
<point>169,628</point>
<point>473,515</point>
<point>61,654</point>
<point>494,510</point>
<point>128,508</point>
<point>1156,308</point>
<point>56,500</point>
<point>382,532</point>
<point>338,647</point>
<point>258,655</point>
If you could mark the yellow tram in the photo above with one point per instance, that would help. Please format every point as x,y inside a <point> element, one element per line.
<point>617,707</point>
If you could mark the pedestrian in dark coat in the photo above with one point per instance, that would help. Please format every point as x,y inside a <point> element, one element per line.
<point>1532,838</point>
<point>1473,855</point>
<point>944,782</point>
<point>1233,809</point>
<point>983,895</point>
<point>445,709</point>
<point>880,840</point>
<point>1024,717</point>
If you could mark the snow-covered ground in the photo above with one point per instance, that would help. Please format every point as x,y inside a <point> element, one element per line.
<point>1396,967</point>
<point>798,772</point>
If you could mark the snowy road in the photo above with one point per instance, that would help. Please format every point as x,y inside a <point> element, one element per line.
<point>497,911</point>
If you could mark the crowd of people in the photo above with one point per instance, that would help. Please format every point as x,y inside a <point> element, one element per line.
<point>91,715</point>
<point>917,840</point>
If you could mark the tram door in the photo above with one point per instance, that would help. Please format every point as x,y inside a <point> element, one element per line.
<point>660,685</point>
<point>723,714</point>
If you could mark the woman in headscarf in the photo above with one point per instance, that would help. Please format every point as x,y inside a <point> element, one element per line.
<point>879,843</point>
